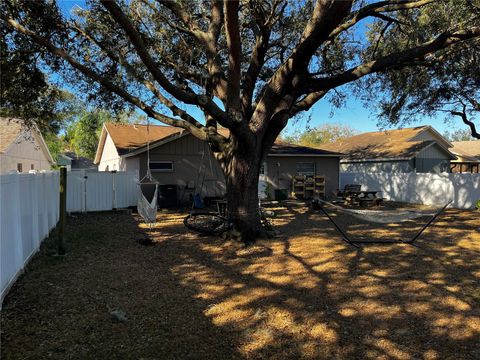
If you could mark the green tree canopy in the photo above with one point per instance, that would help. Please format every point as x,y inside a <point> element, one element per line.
<point>249,66</point>
<point>82,135</point>
<point>446,83</point>
<point>25,91</point>
<point>459,135</point>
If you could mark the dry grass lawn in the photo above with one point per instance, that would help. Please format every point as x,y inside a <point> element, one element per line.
<point>305,294</point>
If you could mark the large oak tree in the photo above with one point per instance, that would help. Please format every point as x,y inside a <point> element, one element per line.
<point>248,66</point>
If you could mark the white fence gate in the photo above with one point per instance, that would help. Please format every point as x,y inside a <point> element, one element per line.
<point>29,209</point>
<point>421,188</point>
<point>101,191</point>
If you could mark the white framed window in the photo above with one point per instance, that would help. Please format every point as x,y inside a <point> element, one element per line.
<point>306,168</point>
<point>161,166</point>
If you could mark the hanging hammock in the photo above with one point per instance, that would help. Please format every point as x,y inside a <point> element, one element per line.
<point>379,217</point>
<point>148,191</point>
<point>147,201</point>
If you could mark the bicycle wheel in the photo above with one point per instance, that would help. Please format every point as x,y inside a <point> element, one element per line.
<point>206,223</point>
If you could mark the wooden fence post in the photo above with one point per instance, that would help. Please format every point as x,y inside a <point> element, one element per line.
<point>63,210</point>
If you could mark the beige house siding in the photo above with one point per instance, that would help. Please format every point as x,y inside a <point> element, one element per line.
<point>110,159</point>
<point>186,155</point>
<point>27,151</point>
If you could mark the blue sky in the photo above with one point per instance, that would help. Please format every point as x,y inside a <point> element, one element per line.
<point>353,113</point>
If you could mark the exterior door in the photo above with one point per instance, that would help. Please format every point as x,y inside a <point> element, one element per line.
<point>262,182</point>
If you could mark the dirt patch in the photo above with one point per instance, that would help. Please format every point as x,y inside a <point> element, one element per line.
<point>305,294</point>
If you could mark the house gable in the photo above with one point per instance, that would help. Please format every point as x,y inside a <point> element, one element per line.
<point>434,159</point>
<point>435,151</point>
<point>430,134</point>
<point>10,130</point>
<point>13,131</point>
<point>29,150</point>
<point>109,159</point>
<point>100,146</point>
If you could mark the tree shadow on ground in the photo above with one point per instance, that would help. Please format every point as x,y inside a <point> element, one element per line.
<point>305,294</point>
<point>318,297</point>
<point>61,307</point>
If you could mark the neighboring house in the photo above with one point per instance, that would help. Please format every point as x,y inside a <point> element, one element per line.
<point>420,149</point>
<point>22,148</point>
<point>74,162</point>
<point>468,156</point>
<point>178,158</point>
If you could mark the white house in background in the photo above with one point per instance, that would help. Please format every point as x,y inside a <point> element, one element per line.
<point>22,148</point>
<point>116,141</point>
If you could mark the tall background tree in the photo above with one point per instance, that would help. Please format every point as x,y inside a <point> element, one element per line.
<point>323,134</point>
<point>459,135</point>
<point>248,66</point>
<point>82,134</point>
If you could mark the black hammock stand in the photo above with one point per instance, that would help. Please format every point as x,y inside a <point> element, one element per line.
<point>318,205</point>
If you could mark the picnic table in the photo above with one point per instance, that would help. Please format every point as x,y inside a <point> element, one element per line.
<point>364,198</point>
<point>353,195</point>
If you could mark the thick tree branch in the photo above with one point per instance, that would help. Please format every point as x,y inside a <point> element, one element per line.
<point>416,56</point>
<point>473,102</point>
<point>466,121</point>
<point>234,45</point>
<point>207,39</point>
<point>180,13</point>
<point>308,101</point>
<point>185,96</point>
<point>195,130</point>
<point>288,79</point>
<point>257,59</point>
<point>327,14</point>
<point>375,10</point>
<point>403,58</point>
<point>218,83</point>
<point>117,58</point>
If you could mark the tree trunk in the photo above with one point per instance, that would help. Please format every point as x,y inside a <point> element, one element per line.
<point>241,176</point>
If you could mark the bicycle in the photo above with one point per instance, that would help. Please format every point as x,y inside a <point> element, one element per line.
<point>216,223</point>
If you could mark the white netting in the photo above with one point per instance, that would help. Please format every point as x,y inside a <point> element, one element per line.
<point>147,209</point>
<point>379,216</point>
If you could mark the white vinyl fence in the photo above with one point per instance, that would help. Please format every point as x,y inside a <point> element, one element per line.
<point>101,191</point>
<point>420,188</point>
<point>29,209</point>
